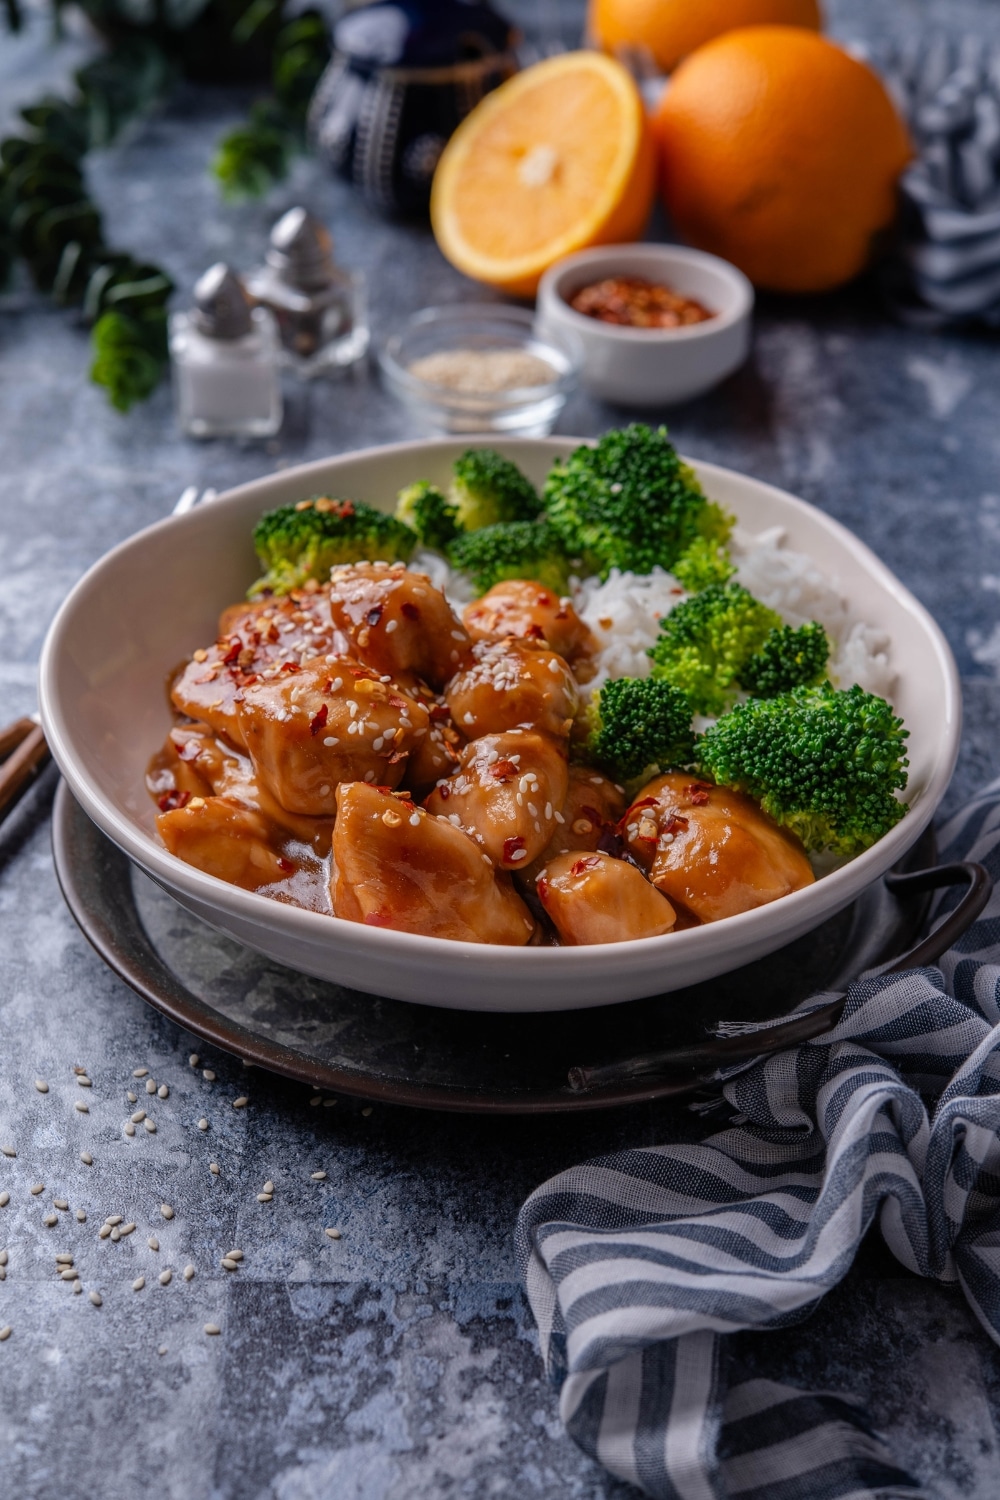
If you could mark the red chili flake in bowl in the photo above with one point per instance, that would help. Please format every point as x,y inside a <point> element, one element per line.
<point>318,720</point>
<point>697,793</point>
<point>511,847</point>
<point>171,801</point>
<point>502,770</point>
<point>635,302</point>
<point>590,862</point>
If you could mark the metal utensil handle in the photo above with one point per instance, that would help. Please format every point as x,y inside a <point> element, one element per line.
<point>716,1052</point>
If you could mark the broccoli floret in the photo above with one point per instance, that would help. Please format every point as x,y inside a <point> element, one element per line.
<point>705,562</point>
<point>824,763</point>
<point>487,490</point>
<point>630,503</point>
<point>788,658</point>
<point>639,725</point>
<point>303,541</point>
<point>706,641</point>
<point>516,549</point>
<point>428,512</point>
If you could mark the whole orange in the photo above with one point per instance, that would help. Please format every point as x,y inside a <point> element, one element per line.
<point>780,153</point>
<point>670,29</point>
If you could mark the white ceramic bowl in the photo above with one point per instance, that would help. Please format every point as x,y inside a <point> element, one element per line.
<point>651,367</point>
<point>157,596</point>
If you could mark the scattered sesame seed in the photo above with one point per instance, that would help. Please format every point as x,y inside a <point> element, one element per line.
<point>128,1228</point>
<point>104,1231</point>
<point>188,1273</point>
<point>318,1176</point>
<point>129,1128</point>
<point>3,1257</point>
<point>84,1081</point>
<point>234,1254</point>
<point>241,1102</point>
<point>316,1099</point>
<point>41,1085</point>
<point>140,1072</point>
<point>60,1203</point>
<point>153,1242</point>
<point>166,1277</point>
<point>132,1098</point>
<point>208,1075</point>
<point>3,1273</point>
<point>265,1197</point>
<point>80,1216</point>
<point>213,1167</point>
<point>415,820</point>
<point>138,1283</point>
<point>116,1235</point>
<point>150,1085</point>
<point>367,1111</point>
<point>63,1259</point>
<point>163,1092</point>
<point>5,1333</point>
<point>332,1234</point>
<point>8,1150</point>
<point>84,1109</point>
<point>4,1199</point>
<point>229,1265</point>
<point>50,1221</point>
<point>69,1275</point>
<point>36,1188</point>
<point>329,1103</point>
<point>138,1117</point>
<point>149,1125</point>
<point>194,1060</point>
<point>77,1287</point>
<point>96,1299</point>
<point>112,1220</point>
<point>86,1158</point>
<point>268,1187</point>
<point>203,1124</point>
<point>166,1210</point>
<point>212,1328</point>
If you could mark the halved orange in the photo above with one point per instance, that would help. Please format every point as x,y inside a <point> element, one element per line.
<point>558,158</point>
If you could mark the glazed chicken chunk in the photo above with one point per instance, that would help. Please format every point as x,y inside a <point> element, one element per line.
<point>519,607</point>
<point>234,842</point>
<point>712,851</point>
<point>395,865</point>
<point>253,639</point>
<point>590,810</point>
<point>332,721</point>
<point>512,682</point>
<point>506,791</point>
<point>595,898</point>
<point>397,621</point>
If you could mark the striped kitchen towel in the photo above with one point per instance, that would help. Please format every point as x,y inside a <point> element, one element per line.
<point>637,1264</point>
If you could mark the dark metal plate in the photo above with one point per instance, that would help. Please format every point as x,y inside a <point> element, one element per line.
<point>349,1043</point>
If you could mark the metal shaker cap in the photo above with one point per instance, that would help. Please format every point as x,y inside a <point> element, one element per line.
<point>301,250</point>
<point>222,308</point>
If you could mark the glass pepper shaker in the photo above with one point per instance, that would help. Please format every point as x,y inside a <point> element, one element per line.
<point>320,308</point>
<point>225,362</point>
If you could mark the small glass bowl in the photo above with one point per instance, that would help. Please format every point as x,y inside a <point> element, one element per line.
<point>524,411</point>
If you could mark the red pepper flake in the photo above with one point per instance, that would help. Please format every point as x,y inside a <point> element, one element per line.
<point>675,824</point>
<point>444,793</point>
<point>534,633</point>
<point>591,862</point>
<point>171,801</point>
<point>286,864</point>
<point>289,666</point>
<point>542,887</point>
<point>511,847</point>
<point>374,615</point>
<point>318,720</point>
<point>411,611</point>
<point>378,919</point>
<point>397,756</point>
<point>697,793</point>
<point>395,701</point>
<point>233,654</point>
<point>503,770</point>
<point>363,672</point>
<point>437,711</point>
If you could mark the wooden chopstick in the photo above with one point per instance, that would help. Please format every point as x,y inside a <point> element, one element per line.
<point>23,763</point>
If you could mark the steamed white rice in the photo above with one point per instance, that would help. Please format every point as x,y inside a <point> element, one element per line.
<point>624,612</point>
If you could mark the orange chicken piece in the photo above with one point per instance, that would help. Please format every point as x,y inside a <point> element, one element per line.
<point>397,621</point>
<point>506,791</point>
<point>520,607</point>
<point>595,898</point>
<point>509,683</point>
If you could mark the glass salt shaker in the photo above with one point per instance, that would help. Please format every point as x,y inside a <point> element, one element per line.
<point>320,308</point>
<point>225,362</point>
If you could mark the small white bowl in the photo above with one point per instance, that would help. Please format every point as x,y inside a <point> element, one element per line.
<point>651,367</point>
<point>150,601</point>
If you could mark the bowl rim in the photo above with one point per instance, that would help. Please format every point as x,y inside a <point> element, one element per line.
<point>552,300</point>
<point>259,911</point>
<point>454,314</point>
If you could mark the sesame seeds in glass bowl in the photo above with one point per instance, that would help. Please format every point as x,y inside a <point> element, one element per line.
<point>481,367</point>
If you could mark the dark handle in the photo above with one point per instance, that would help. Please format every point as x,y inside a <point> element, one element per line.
<point>23,744</point>
<point>716,1052</point>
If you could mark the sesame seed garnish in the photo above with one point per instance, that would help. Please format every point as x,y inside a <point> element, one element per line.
<point>128,1228</point>
<point>62,1259</point>
<point>153,1242</point>
<point>241,1102</point>
<point>36,1188</point>
<point>41,1085</point>
<point>366,1112</point>
<point>333,1234</point>
<point>229,1265</point>
<point>4,1198</point>
<point>69,1275</point>
<point>188,1273</point>
<point>132,1098</point>
<point>234,1254</point>
<point>113,1219</point>
<point>104,1231</point>
<point>165,1277</point>
<point>150,1085</point>
<point>84,1109</point>
<point>316,1099</point>
<point>138,1117</point>
<point>265,1197</point>
<point>60,1203</point>
<point>3,1273</point>
<point>329,1103</point>
<point>163,1092</point>
<point>8,1150</point>
<point>80,1216</point>
<point>415,820</point>
<point>129,1128</point>
<point>203,1123</point>
<point>84,1081</point>
<point>3,1257</point>
<point>162,1349</point>
<point>140,1072</point>
<point>208,1075</point>
<point>213,1167</point>
<point>149,1125</point>
<point>116,1235</point>
<point>268,1187</point>
<point>50,1221</point>
<point>318,1176</point>
<point>86,1158</point>
<point>77,1286</point>
<point>138,1283</point>
<point>96,1299</point>
<point>166,1210</point>
<point>194,1060</point>
<point>5,1333</point>
<point>212,1328</point>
